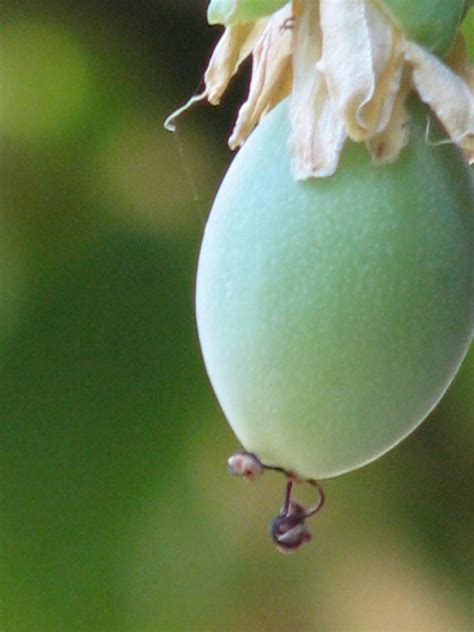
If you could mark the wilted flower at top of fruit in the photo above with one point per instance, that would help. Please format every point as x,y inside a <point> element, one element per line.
<point>348,66</point>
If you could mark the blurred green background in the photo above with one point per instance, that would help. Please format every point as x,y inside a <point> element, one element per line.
<point>116,509</point>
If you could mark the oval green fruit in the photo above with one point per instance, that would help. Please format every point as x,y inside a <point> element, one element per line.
<point>333,314</point>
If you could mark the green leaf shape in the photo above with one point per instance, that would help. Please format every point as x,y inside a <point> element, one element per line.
<point>468,32</point>
<point>229,12</point>
<point>432,23</point>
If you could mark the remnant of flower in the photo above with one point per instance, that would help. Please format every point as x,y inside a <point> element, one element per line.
<point>245,465</point>
<point>348,68</point>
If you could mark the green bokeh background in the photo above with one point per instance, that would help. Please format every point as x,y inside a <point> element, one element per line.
<point>116,511</point>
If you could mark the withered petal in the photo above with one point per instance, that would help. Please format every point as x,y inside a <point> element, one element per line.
<point>386,146</point>
<point>317,133</point>
<point>362,62</point>
<point>348,69</point>
<point>234,46</point>
<point>271,75</point>
<point>448,94</point>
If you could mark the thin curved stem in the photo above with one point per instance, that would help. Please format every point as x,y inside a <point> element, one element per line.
<point>286,504</point>
<point>322,498</point>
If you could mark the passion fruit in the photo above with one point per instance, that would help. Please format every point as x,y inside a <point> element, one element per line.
<point>333,314</point>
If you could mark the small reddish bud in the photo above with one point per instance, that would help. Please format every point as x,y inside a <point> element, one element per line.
<point>246,465</point>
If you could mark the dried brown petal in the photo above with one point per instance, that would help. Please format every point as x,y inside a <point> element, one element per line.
<point>271,76</point>
<point>348,68</point>
<point>233,48</point>
<point>459,62</point>
<point>449,95</point>
<point>317,133</point>
<point>362,62</point>
<point>386,146</point>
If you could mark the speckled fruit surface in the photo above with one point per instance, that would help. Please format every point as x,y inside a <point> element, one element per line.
<point>333,314</point>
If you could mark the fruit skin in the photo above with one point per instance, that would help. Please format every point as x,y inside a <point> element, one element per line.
<point>333,314</point>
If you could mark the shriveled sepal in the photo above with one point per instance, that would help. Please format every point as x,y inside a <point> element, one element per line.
<point>271,75</point>
<point>233,48</point>
<point>386,146</point>
<point>348,66</point>
<point>362,62</point>
<point>235,45</point>
<point>449,95</point>
<point>317,133</point>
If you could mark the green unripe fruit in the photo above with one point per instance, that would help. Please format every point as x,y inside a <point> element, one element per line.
<point>432,23</point>
<point>333,314</point>
<point>233,11</point>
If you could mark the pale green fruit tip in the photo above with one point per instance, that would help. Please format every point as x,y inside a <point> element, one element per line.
<point>229,12</point>
<point>431,23</point>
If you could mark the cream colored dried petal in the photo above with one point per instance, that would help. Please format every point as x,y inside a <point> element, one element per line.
<point>386,146</point>
<point>362,62</point>
<point>448,94</point>
<point>317,133</point>
<point>271,75</point>
<point>458,60</point>
<point>234,46</point>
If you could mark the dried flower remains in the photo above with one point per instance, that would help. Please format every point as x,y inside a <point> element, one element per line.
<point>348,68</point>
